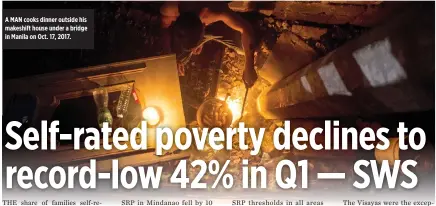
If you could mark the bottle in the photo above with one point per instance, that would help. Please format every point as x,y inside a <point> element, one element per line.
<point>123,102</point>
<point>101,99</point>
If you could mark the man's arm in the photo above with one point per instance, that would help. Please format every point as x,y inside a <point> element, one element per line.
<point>237,23</point>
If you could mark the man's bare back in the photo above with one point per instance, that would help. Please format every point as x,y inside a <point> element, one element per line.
<point>211,12</point>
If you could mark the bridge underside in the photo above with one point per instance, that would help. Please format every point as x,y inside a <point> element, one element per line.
<point>389,69</point>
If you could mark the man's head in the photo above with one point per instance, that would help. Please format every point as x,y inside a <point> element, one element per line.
<point>188,31</point>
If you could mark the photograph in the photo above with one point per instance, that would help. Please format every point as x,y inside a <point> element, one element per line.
<point>218,103</point>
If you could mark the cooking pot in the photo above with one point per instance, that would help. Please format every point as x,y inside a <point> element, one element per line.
<point>214,112</point>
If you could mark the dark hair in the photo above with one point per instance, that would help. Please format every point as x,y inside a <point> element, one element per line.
<point>187,32</point>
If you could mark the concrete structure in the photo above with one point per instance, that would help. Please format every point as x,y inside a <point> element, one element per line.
<point>289,54</point>
<point>388,69</point>
<point>342,12</point>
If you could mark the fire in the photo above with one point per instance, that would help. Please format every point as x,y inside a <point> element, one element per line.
<point>234,99</point>
<point>235,105</point>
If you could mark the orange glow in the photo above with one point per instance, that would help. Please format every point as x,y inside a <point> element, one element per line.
<point>151,115</point>
<point>235,105</point>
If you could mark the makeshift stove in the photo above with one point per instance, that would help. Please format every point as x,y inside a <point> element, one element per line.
<point>222,111</point>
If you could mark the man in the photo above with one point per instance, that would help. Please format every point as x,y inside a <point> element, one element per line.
<point>188,20</point>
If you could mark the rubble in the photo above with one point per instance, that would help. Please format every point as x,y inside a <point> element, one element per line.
<point>354,2</point>
<point>231,83</point>
<point>308,32</point>
<point>277,24</point>
<point>267,12</point>
<point>375,15</point>
<point>330,12</point>
<point>305,43</point>
<point>241,6</point>
<point>317,12</point>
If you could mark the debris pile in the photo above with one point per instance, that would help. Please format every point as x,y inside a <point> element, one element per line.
<point>231,86</point>
<point>323,38</point>
<point>197,81</point>
<point>320,39</point>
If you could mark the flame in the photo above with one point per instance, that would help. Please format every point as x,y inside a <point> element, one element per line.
<point>235,105</point>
